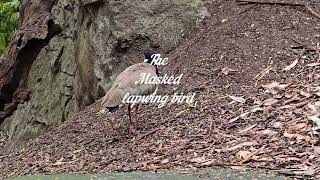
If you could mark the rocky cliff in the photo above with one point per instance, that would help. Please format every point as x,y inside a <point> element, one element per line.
<point>91,42</point>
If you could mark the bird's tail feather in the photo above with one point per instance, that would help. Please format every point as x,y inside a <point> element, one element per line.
<point>113,109</point>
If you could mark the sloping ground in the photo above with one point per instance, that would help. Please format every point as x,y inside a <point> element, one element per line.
<point>239,49</point>
<point>3,139</point>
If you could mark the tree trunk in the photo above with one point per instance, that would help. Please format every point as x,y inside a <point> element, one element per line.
<point>35,29</point>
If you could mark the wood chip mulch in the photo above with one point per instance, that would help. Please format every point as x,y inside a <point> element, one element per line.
<point>255,70</point>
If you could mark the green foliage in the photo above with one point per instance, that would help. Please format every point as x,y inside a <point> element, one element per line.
<point>8,21</point>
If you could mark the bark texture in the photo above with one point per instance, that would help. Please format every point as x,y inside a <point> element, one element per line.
<point>34,31</point>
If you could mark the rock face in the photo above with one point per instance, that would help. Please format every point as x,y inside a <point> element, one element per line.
<point>98,39</point>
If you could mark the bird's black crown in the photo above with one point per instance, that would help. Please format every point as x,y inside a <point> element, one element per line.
<point>148,55</point>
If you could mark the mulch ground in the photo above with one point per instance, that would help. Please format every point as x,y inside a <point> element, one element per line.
<point>255,70</point>
<point>3,139</point>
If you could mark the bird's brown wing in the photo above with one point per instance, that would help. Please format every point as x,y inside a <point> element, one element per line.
<point>125,83</point>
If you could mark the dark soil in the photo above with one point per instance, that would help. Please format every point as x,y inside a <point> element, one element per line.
<point>237,50</point>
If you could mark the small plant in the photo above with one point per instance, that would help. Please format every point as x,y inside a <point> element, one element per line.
<point>8,21</point>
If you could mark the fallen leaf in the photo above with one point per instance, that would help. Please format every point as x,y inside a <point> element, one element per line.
<point>81,164</point>
<point>275,87</point>
<point>302,171</point>
<point>297,136</point>
<point>243,154</point>
<point>314,109</point>
<point>253,153</point>
<point>313,64</point>
<point>286,159</point>
<point>278,96</point>
<point>247,129</point>
<point>285,107</point>
<point>224,20</point>
<point>317,94</point>
<point>208,163</point>
<point>292,65</point>
<point>238,168</point>
<point>238,99</point>
<point>164,161</point>
<point>257,109</point>
<point>293,99</point>
<point>239,117</point>
<point>77,151</point>
<point>305,94</point>
<point>267,159</point>
<point>288,135</point>
<point>199,160</point>
<point>316,150</point>
<point>277,125</point>
<point>270,102</point>
<point>102,111</point>
<point>288,95</point>
<point>315,119</point>
<point>262,74</point>
<point>241,145</point>
<point>267,132</point>
<point>191,104</point>
<point>296,127</point>
<point>227,70</point>
<point>179,114</point>
<point>59,162</point>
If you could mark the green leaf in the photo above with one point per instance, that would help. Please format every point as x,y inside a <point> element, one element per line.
<point>9,16</point>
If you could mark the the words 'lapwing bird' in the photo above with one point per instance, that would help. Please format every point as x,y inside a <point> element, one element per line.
<point>126,83</point>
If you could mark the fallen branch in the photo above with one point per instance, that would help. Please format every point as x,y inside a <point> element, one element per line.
<point>249,8</point>
<point>307,7</point>
<point>268,2</point>
<point>1,157</point>
<point>313,72</point>
<point>312,11</point>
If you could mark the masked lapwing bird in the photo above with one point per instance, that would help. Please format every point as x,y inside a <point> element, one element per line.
<point>125,83</point>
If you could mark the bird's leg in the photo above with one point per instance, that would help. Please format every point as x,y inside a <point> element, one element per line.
<point>130,119</point>
<point>134,130</point>
<point>136,117</point>
<point>129,112</point>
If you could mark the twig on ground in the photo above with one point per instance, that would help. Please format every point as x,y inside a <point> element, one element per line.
<point>268,2</point>
<point>307,7</point>
<point>252,154</point>
<point>312,11</point>
<point>1,157</point>
<point>248,9</point>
